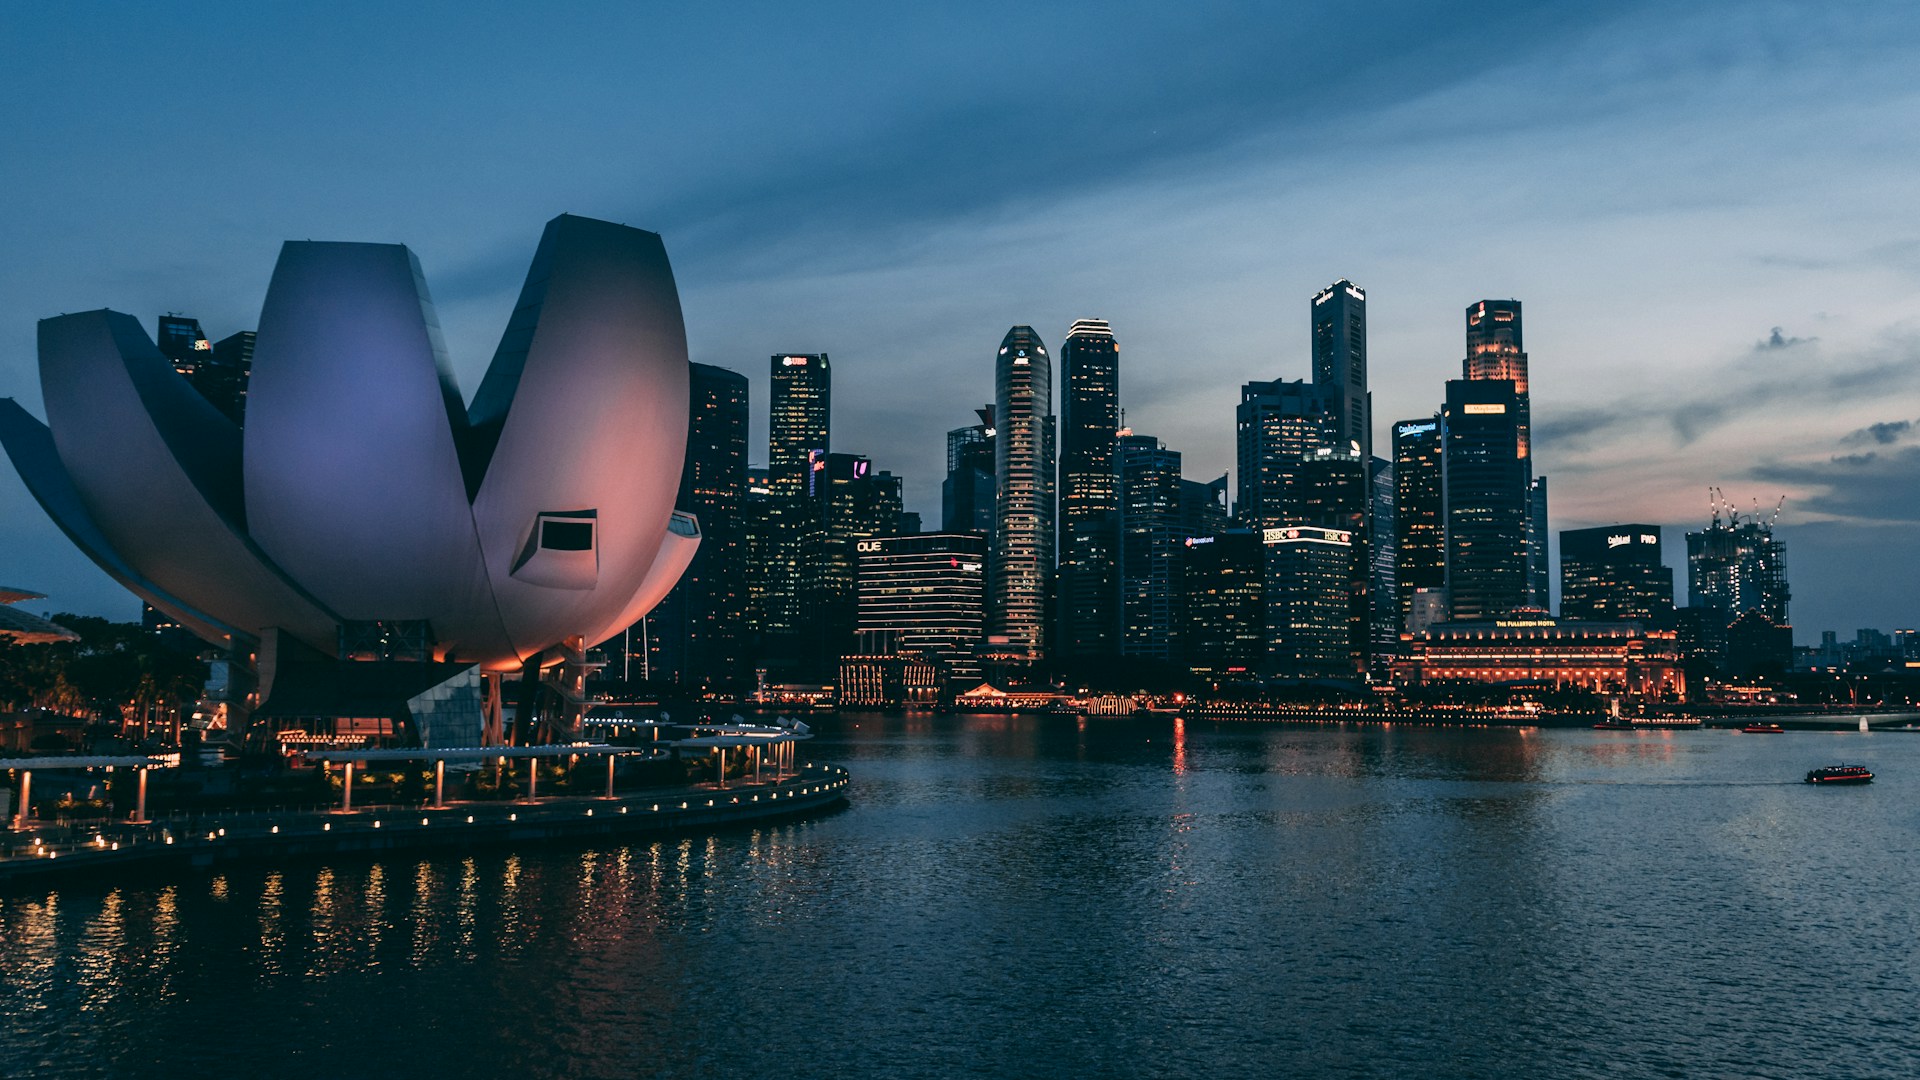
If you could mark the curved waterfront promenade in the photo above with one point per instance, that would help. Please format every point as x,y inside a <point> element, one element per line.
<point>214,838</point>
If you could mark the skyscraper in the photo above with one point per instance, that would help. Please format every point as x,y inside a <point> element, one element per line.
<point>1614,574</point>
<point>1088,593</point>
<point>1022,563</point>
<point>696,633</point>
<point>1276,424</point>
<point>1089,420</point>
<point>929,593</point>
<point>1224,630</point>
<point>1383,615</point>
<point>798,426</point>
<point>1309,575</point>
<point>1736,566</point>
<point>1420,553</point>
<point>1495,350</point>
<point>966,496</point>
<point>1539,566</point>
<point>1340,363</point>
<point>1332,491</point>
<point>1149,540</point>
<point>797,418</point>
<point>1484,490</point>
<point>224,380</point>
<point>181,340</point>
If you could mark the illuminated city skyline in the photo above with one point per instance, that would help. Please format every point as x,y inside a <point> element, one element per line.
<point>1668,194</point>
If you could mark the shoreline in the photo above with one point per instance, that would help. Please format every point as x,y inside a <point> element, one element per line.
<point>214,839</point>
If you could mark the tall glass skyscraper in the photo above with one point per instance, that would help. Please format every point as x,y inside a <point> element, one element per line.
<point>1089,617</point>
<point>1276,424</point>
<point>797,419</point>
<point>1022,563</point>
<point>1495,350</point>
<point>1484,488</point>
<point>1340,363</point>
<point>1150,520</point>
<point>1420,554</point>
<point>696,636</point>
<point>1089,419</point>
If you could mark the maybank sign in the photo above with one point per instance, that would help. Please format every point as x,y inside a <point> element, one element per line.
<point>1484,410</point>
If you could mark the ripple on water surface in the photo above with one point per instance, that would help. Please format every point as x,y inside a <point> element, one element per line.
<point>1008,896</point>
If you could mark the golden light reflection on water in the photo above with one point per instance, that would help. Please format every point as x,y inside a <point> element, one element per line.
<point>273,934</point>
<point>96,962</point>
<point>372,912</point>
<point>322,932</point>
<point>425,926</point>
<point>464,904</point>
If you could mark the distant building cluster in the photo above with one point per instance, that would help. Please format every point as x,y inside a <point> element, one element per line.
<point>1072,551</point>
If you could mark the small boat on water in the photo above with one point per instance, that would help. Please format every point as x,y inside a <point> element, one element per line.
<point>1764,729</point>
<point>1615,724</point>
<point>1840,774</point>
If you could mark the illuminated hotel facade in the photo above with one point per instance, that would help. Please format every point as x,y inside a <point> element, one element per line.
<point>1022,555</point>
<point>1602,657</point>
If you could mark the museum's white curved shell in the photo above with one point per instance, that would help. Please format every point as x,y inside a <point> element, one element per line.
<point>361,490</point>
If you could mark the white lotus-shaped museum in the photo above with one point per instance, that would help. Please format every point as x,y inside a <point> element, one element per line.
<point>362,491</point>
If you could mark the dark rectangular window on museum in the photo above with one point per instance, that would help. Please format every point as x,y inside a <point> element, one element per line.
<point>566,535</point>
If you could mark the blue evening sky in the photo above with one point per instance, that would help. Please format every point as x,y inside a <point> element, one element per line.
<point>1708,210</point>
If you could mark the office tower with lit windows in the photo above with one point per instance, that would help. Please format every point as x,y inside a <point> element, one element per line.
<point>1539,561</point>
<point>1149,538</point>
<point>798,415</point>
<point>1088,617</point>
<point>1089,421</point>
<point>1340,363</point>
<point>1484,488</point>
<point>1496,350</point>
<point>181,341</point>
<point>1021,566</point>
<point>1332,490</point>
<point>1276,424</point>
<point>855,503</point>
<point>1419,528</point>
<point>695,635</point>
<point>928,592</point>
<point>1383,600</point>
<point>1615,574</point>
<point>1224,626</point>
<point>1307,594</point>
<point>224,381</point>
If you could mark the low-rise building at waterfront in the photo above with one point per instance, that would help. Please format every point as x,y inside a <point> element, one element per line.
<point>1603,657</point>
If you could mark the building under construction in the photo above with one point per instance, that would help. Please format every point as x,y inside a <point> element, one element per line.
<point>1737,574</point>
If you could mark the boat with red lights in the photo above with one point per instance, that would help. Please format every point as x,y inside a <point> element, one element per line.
<point>1840,774</point>
<point>1764,729</point>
